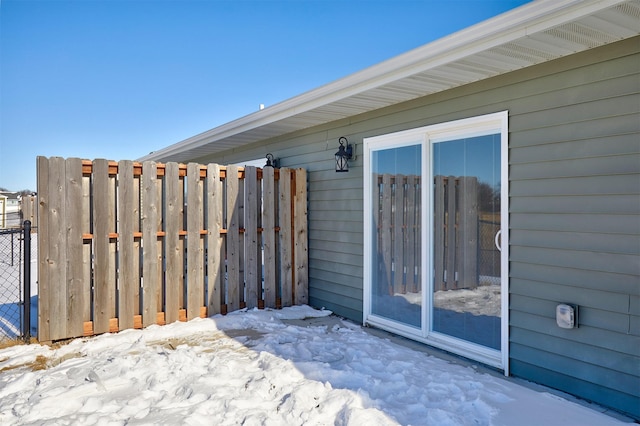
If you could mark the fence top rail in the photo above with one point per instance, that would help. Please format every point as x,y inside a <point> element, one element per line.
<point>405,178</point>
<point>87,169</point>
<point>399,177</point>
<point>14,230</point>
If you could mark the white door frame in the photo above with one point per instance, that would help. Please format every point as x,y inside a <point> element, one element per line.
<point>496,123</point>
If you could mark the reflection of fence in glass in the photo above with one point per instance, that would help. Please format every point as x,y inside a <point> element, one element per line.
<point>465,225</point>
<point>397,220</point>
<point>466,220</point>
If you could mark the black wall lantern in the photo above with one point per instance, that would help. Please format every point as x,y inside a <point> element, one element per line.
<point>343,155</point>
<point>271,162</point>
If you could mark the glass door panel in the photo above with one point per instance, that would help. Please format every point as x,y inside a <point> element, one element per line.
<point>396,290</point>
<point>466,302</point>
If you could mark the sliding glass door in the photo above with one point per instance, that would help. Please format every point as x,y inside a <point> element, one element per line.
<point>466,224</point>
<point>435,219</point>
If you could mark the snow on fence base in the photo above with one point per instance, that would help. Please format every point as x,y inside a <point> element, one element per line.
<point>127,245</point>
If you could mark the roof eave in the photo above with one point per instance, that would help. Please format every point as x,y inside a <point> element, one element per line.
<point>519,23</point>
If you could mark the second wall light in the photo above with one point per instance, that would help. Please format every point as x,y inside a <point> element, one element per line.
<point>344,154</point>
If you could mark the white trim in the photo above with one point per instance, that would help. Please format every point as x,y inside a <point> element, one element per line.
<point>366,226</point>
<point>427,137</point>
<point>427,237</point>
<point>486,356</point>
<point>504,238</point>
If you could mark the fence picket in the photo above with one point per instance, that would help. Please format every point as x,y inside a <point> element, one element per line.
<point>127,279</point>
<point>251,236</point>
<point>284,219</point>
<point>412,240</point>
<point>450,220</point>
<point>195,244</point>
<point>76,292</point>
<point>104,287</point>
<point>57,246</point>
<point>269,236</point>
<point>233,239</point>
<point>467,233</point>
<point>44,239</point>
<point>241,245</point>
<point>150,265</point>
<point>399,222</point>
<point>174,249</point>
<point>385,243</point>
<point>215,249</point>
<point>301,238</point>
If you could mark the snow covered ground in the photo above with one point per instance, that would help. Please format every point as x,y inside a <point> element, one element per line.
<point>263,368</point>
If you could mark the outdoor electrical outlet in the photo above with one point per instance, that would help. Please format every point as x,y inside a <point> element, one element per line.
<point>567,315</point>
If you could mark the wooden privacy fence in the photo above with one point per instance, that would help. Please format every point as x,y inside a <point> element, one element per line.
<point>455,236</point>
<point>127,245</point>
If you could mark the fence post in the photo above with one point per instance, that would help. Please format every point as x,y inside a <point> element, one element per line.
<point>27,280</point>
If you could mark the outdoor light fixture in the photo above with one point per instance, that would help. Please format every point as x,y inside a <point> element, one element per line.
<point>271,162</point>
<point>343,155</point>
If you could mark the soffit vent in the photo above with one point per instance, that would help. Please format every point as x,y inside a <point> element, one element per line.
<point>526,54</point>
<point>582,36</point>
<point>631,9</point>
<point>606,26</point>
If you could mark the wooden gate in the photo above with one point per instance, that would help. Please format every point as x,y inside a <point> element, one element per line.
<point>126,245</point>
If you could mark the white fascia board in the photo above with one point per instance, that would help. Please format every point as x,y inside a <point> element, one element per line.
<point>531,18</point>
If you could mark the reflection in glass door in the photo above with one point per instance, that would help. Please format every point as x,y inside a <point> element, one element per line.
<point>396,290</point>
<point>466,300</point>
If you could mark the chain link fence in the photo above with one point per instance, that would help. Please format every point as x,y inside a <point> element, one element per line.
<point>13,276</point>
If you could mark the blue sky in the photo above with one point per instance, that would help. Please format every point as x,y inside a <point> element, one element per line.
<point>117,79</point>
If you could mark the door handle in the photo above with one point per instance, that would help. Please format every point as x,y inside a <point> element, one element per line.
<point>497,240</point>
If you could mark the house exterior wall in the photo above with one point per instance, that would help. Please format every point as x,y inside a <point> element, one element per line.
<point>574,156</point>
<point>575,219</point>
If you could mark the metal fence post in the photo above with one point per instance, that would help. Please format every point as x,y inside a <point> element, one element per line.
<point>27,280</point>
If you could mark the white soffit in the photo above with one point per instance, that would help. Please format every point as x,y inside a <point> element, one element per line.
<point>531,34</point>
